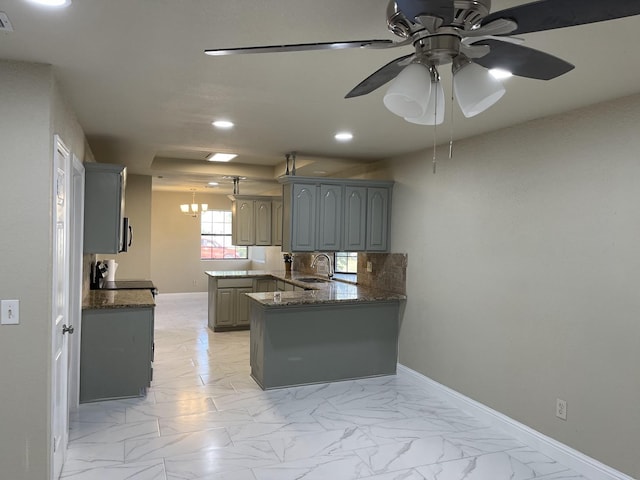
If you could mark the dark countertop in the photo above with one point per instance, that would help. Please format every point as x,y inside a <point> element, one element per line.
<point>101,299</point>
<point>335,291</point>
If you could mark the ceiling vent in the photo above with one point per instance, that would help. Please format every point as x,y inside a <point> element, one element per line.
<point>5,24</point>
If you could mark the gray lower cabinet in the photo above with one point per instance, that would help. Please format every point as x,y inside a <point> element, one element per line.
<point>116,356</point>
<point>299,345</point>
<point>264,285</point>
<point>228,304</point>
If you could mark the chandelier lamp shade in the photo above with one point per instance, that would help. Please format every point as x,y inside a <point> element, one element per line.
<point>416,94</point>
<point>193,209</point>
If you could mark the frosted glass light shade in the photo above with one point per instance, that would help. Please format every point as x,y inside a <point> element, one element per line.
<point>476,89</point>
<point>408,94</point>
<point>431,116</point>
<point>184,208</point>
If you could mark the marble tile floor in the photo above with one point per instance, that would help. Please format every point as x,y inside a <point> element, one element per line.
<point>205,418</point>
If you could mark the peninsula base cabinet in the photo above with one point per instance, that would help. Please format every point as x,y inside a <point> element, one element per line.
<point>300,345</point>
<point>116,356</point>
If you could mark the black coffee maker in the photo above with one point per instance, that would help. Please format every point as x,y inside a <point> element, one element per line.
<point>98,274</point>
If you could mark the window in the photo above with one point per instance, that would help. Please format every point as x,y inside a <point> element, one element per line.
<point>215,237</point>
<point>345,262</point>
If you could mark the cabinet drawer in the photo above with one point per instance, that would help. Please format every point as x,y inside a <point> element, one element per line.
<point>235,282</point>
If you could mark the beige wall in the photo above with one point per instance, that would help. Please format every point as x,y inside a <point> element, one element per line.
<point>524,271</point>
<point>32,111</point>
<point>175,244</point>
<point>135,264</point>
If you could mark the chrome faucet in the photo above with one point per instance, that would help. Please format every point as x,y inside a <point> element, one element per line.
<point>327,257</point>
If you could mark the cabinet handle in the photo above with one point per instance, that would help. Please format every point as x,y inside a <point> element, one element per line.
<point>66,329</point>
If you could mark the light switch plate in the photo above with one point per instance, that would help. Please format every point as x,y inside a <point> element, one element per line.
<point>10,312</point>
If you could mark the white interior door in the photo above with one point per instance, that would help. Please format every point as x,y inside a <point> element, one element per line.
<point>60,307</point>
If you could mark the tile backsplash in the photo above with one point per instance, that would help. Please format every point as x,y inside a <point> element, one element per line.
<point>389,270</point>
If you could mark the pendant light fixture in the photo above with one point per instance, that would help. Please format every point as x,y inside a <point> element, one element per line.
<point>193,209</point>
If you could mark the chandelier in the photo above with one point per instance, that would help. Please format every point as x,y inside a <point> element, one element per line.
<point>193,209</point>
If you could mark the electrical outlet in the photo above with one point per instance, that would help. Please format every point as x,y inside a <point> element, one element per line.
<point>369,267</point>
<point>561,409</point>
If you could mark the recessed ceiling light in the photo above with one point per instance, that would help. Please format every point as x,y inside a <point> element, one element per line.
<point>226,124</point>
<point>213,184</point>
<point>343,136</point>
<point>52,3</point>
<point>500,74</point>
<point>221,157</point>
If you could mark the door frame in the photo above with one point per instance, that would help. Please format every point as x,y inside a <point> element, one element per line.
<point>76,241</point>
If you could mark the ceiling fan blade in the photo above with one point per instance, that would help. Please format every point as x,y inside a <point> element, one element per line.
<point>381,76</point>
<point>301,47</point>
<point>549,14</point>
<point>413,9</point>
<point>522,61</point>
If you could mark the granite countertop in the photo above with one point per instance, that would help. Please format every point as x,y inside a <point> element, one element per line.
<point>334,291</point>
<point>101,299</point>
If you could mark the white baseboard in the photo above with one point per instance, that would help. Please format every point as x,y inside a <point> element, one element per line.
<point>561,453</point>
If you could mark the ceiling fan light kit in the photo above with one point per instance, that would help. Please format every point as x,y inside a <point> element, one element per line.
<point>465,34</point>
<point>408,95</point>
<point>434,114</point>
<point>475,88</point>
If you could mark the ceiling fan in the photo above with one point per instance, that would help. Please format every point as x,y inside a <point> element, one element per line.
<point>465,34</point>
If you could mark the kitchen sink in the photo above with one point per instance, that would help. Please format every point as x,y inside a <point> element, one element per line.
<point>313,280</point>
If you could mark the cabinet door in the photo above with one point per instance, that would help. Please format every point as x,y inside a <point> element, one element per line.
<point>377,219</point>
<point>225,306</point>
<point>265,285</point>
<point>104,207</point>
<point>303,218</point>
<point>242,306</point>
<point>330,221</point>
<point>355,219</point>
<point>263,222</point>
<point>243,222</point>
<point>276,222</point>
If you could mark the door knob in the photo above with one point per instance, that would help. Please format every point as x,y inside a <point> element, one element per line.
<point>66,329</point>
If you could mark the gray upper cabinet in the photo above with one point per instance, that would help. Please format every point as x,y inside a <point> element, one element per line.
<point>299,218</point>
<point>355,218</point>
<point>377,219</point>
<point>326,214</point>
<point>276,222</point>
<point>254,220</point>
<point>263,222</point>
<point>243,230</point>
<point>104,207</point>
<point>330,221</point>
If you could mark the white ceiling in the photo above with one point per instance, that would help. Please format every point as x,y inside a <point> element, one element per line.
<point>135,73</point>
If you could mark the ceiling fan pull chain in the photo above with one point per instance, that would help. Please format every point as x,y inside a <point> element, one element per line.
<point>435,141</point>
<point>451,123</point>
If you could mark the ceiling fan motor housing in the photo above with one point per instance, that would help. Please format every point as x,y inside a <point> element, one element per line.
<point>469,13</point>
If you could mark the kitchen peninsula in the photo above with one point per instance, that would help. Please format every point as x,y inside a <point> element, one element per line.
<point>314,330</point>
